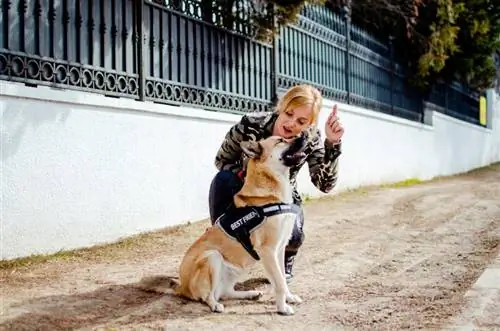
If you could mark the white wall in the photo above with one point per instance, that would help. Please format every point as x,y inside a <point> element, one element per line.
<point>81,169</point>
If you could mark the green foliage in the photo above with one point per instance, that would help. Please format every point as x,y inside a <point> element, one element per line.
<point>440,43</point>
<point>478,38</point>
<point>285,12</point>
<point>435,40</point>
<point>443,40</point>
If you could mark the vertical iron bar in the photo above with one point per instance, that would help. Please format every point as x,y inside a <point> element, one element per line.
<point>78,36</point>
<point>66,41</point>
<point>274,61</point>
<point>23,6</point>
<point>4,40</point>
<point>196,54</point>
<point>208,64</point>
<point>254,78</point>
<point>346,11</point>
<point>140,48</point>
<point>391,49</point>
<point>51,17</point>
<point>152,68</point>
<point>171,46</point>
<point>90,32</point>
<point>263,71</point>
<point>124,34</point>
<point>114,35</point>
<point>37,36</point>
<point>102,35</point>
<point>238,55</point>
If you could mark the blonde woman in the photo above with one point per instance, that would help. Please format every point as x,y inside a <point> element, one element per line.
<point>296,112</point>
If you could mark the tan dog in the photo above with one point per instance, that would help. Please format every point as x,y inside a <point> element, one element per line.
<point>215,261</point>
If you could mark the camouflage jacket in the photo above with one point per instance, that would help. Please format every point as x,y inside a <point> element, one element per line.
<point>321,157</point>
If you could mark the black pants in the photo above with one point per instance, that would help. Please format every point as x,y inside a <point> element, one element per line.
<point>222,190</point>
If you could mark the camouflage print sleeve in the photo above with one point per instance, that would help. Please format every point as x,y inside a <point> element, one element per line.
<point>229,155</point>
<point>323,164</point>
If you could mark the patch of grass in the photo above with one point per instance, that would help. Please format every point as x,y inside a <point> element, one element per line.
<point>305,197</point>
<point>492,167</point>
<point>35,259</point>
<point>63,255</point>
<point>108,250</point>
<point>403,183</point>
<point>362,190</point>
<point>473,172</point>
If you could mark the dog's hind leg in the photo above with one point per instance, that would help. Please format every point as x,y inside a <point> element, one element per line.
<point>216,263</point>
<point>231,293</point>
<point>230,276</point>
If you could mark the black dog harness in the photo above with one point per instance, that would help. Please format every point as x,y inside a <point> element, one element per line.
<point>239,223</point>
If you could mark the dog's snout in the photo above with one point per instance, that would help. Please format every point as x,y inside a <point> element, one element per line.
<point>301,140</point>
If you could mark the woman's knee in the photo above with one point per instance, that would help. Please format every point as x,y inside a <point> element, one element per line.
<point>225,181</point>
<point>298,236</point>
<point>224,186</point>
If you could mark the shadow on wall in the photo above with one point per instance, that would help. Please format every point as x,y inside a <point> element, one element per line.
<point>20,116</point>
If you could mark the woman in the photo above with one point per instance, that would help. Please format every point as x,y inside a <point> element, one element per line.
<point>297,111</point>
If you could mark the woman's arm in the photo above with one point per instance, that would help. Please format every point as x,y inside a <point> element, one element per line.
<point>250,127</point>
<point>228,156</point>
<point>323,164</point>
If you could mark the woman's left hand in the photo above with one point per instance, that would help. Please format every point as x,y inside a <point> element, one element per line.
<point>333,129</point>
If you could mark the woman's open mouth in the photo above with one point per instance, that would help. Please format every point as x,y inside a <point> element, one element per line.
<point>288,133</point>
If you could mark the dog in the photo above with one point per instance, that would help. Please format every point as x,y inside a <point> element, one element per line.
<point>219,257</point>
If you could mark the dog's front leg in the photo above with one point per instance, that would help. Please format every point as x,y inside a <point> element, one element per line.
<point>290,298</point>
<point>271,264</point>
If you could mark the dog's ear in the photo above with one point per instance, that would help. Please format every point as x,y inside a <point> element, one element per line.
<point>252,149</point>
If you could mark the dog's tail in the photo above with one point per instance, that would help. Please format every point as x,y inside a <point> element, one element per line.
<point>159,284</point>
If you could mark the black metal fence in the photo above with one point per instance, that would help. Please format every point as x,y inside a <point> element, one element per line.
<point>192,52</point>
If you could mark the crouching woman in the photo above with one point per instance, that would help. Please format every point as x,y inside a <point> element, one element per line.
<point>297,112</point>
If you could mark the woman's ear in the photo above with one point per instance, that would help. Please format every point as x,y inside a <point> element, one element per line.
<point>253,149</point>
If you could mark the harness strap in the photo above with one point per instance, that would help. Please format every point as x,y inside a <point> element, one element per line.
<point>279,208</point>
<point>244,239</point>
<point>239,223</point>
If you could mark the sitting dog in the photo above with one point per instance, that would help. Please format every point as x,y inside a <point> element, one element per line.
<point>257,227</point>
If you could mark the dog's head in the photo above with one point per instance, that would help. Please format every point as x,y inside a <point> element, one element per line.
<point>275,152</point>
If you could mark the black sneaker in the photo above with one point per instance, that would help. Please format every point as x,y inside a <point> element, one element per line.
<point>289,259</point>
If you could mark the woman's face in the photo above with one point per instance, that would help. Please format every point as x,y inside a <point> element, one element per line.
<point>292,122</point>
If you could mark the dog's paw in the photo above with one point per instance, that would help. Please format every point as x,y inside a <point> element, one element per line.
<point>293,298</point>
<point>286,310</point>
<point>218,308</point>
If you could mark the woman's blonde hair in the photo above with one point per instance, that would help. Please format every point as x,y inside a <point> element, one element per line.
<point>300,95</point>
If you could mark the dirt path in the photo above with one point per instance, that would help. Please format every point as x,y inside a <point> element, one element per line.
<point>392,258</point>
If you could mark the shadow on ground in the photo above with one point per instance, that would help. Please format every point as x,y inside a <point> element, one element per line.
<point>119,304</point>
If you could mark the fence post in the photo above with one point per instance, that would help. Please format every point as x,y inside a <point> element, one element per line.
<point>346,14</point>
<point>274,59</point>
<point>139,19</point>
